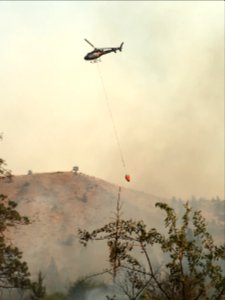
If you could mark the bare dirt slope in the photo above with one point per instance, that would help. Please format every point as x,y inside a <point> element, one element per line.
<point>60,203</point>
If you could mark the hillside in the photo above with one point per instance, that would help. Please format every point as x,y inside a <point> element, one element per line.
<point>60,203</point>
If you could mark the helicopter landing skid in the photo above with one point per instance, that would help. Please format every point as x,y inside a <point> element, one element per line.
<point>95,61</point>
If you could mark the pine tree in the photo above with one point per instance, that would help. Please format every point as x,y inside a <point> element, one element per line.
<point>37,288</point>
<point>13,270</point>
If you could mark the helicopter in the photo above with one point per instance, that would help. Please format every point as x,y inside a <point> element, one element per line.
<point>97,52</point>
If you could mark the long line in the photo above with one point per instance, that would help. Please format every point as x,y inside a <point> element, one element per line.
<point>112,119</point>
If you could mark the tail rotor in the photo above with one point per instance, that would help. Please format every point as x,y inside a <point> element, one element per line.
<point>121,46</point>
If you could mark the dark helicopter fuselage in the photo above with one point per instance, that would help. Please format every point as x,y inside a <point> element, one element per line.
<point>96,53</point>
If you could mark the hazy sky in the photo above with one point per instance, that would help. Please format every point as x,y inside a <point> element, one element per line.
<point>166,92</point>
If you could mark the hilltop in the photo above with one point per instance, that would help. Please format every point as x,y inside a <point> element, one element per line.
<point>59,203</point>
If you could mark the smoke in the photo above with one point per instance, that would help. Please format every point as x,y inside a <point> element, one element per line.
<point>165,90</point>
<point>170,108</point>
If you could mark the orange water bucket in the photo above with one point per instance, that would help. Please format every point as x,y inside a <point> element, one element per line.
<point>127,177</point>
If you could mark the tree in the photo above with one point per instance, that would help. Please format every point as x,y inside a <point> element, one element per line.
<point>192,262</point>
<point>37,288</point>
<point>13,271</point>
<point>56,296</point>
<point>75,170</point>
<point>81,288</point>
<point>52,275</point>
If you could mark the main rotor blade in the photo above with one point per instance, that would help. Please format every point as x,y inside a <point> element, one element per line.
<point>89,43</point>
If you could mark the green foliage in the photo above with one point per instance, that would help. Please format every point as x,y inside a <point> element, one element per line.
<point>191,269</point>
<point>13,271</point>
<point>56,296</point>
<point>81,287</point>
<point>37,288</point>
<point>75,169</point>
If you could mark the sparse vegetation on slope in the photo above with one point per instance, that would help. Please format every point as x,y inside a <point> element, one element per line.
<point>58,203</point>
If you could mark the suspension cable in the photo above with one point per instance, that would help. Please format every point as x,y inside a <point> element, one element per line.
<point>112,119</point>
